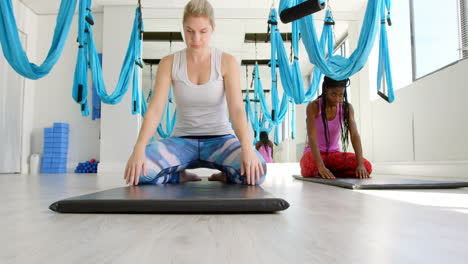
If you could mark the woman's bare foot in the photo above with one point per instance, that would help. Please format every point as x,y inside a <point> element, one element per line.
<point>185,176</point>
<point>220,176</point>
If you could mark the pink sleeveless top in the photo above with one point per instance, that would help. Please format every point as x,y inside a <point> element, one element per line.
<point>265,151</point>
<point>334,129</point>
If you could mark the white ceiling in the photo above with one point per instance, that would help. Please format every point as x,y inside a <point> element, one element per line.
<point>51,6</point>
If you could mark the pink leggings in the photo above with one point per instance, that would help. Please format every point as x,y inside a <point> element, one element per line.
<point>341,164</point>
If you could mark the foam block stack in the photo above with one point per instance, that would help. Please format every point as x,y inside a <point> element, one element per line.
<point>54,159</point>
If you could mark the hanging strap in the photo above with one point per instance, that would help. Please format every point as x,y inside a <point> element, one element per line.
<point>255,117</point>
<point>291,76</point>
<point>170,122</point>
<point>384,71</point>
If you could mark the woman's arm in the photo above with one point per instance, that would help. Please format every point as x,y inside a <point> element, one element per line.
<point>361,172</point>
<point>312,112</point>
<point>250,162</point>
<point>234,99</point>
<point>158,101</point>
<point>153,114</point>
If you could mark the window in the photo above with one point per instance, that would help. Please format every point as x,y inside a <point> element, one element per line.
<point>464,26</point>
<point>399,45</point>
<point>435,31</point>
<point>342,48</point>
<point>436,35</point>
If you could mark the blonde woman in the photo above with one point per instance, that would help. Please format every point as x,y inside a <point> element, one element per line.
<point>206,83</point>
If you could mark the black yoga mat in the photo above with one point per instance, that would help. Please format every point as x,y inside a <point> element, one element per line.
<point>196,197</point>
<point>386,183</point>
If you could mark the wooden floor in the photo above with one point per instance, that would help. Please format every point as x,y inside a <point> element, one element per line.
<point>324,224</point>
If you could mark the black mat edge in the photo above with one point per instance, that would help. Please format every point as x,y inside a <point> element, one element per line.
<point>171,206</point>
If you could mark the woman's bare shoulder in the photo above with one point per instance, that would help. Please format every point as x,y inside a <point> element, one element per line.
<point>313,108</point>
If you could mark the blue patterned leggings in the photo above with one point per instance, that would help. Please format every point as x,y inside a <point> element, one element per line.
<point>167,157</point>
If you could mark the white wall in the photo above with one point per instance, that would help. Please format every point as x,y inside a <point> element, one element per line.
<point>11,115</point>
<point>119,129</point>
<point>27,24</point>
<point>53,100</point>
<point>422,132</point>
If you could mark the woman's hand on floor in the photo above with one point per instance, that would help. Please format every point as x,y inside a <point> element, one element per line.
<point>135,164</point>
<point>361,172</point>
<point>251,166</point>
<point>325,173</point>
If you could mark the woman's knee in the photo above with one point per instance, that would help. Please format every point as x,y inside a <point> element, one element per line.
<point>308,165</point>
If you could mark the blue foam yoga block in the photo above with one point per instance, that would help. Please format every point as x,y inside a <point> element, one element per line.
<point>48,131</point>
<point>60,145</point>
<point>59,150</point>
<point>59,124</point>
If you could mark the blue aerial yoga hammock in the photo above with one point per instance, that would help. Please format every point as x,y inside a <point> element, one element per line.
<point>384,57</point>
<point>170,122</point>
<point>13,49</point>
<point>278,112</point>
<point>293,118</point>
<point>87,55</point>
<point>256,119</point>
<point>338,67</point>
<point>291,76</point>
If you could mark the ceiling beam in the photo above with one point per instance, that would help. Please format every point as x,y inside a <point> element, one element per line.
<point>162,36</point>
<point>264,37</point>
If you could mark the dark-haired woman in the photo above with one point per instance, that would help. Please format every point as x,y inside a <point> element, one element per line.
<point>265,147</point>
<point>329,117</point>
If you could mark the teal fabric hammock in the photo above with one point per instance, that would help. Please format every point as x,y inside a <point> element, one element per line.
<point>170,122</point>
<point>278,111</point>
<point>88,56</point>
<point>259,123</point>
<point>13,49</point>
<point>291,76</point>
<point>337,67</point>
<point>253,116</point>
<point>384,56</point>
<point>256,119</point>
<point>293,118</point>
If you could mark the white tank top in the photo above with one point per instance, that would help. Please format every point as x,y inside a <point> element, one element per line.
<point>201,109</point>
